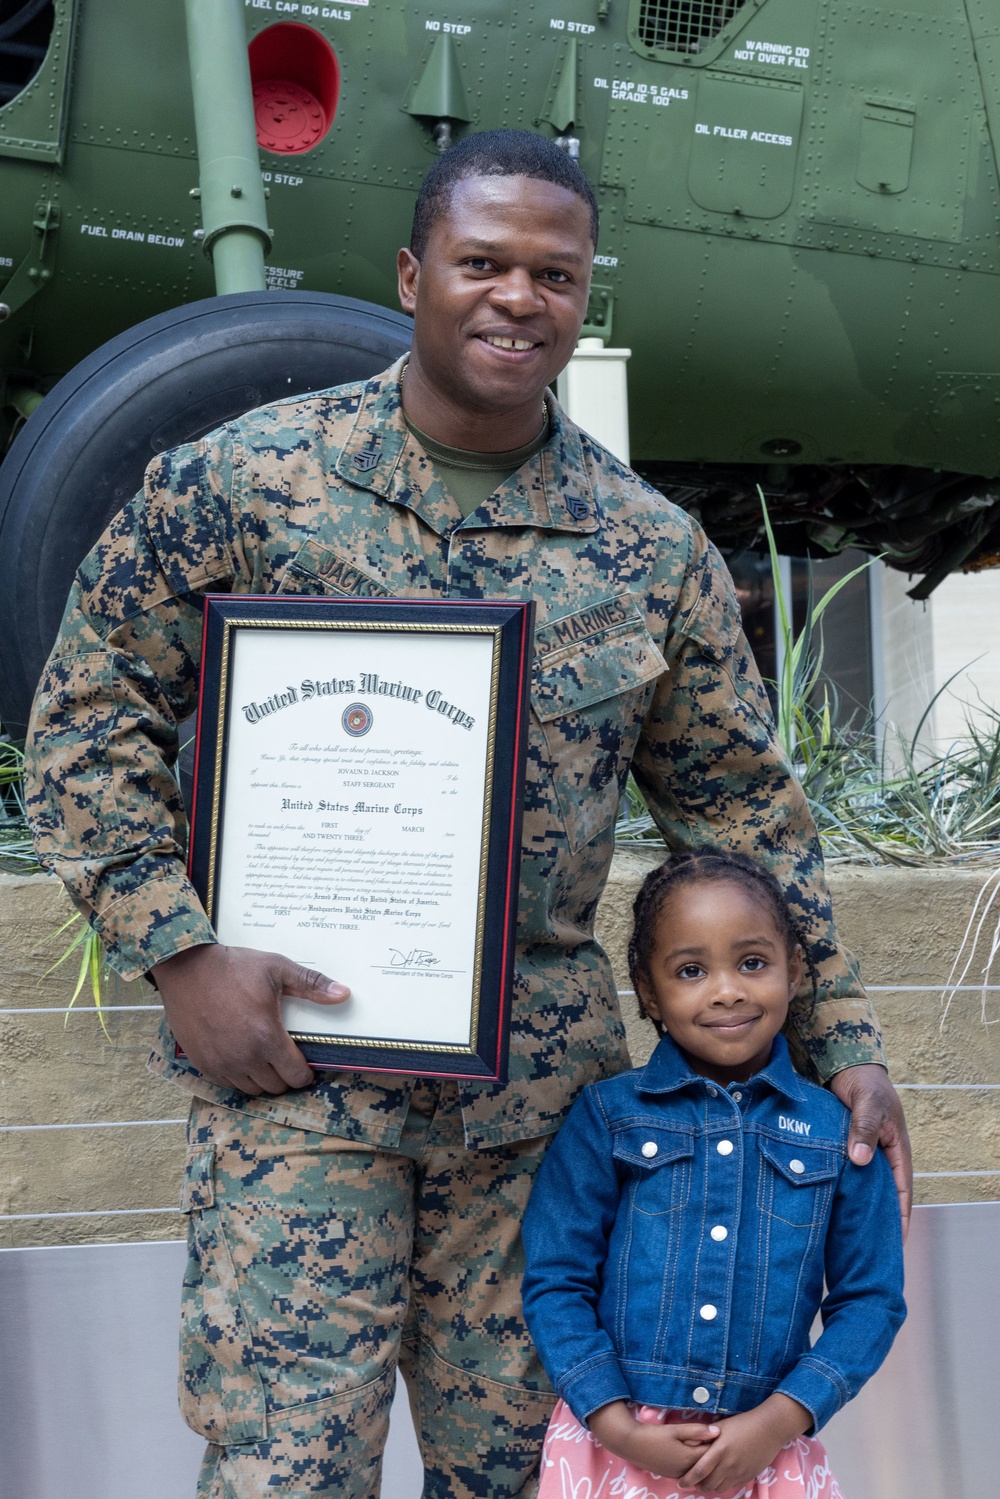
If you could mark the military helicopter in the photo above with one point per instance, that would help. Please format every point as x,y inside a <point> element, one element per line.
<point>800,244</point>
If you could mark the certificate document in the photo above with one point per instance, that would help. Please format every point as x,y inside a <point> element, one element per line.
<point>359,781</point>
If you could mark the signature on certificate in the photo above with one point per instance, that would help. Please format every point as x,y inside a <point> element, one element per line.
<point>417,957</point>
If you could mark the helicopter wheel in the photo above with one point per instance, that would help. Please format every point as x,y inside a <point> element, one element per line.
<point>82,454</point>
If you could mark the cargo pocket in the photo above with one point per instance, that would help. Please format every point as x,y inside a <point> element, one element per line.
<point>591,683</point>
<point>715,627</point>
<point>78,689</point>
<point>221,1393</point>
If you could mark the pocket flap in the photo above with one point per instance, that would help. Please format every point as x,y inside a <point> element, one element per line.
<point>198,1187</point>
<point>632,1145</point>
<point>801,1165</point>
<point>591,655</point>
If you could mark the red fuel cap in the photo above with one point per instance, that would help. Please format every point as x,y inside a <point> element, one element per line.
<point>289,118</point>
<point>296,83</point>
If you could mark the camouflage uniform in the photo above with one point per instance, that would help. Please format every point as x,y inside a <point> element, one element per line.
<point>639,660</point>
<point>315,1263</point>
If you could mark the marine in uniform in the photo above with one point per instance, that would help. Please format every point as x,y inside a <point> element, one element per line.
<point>343,1224</point>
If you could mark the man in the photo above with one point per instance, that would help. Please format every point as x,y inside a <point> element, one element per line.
<point>342,1223</point>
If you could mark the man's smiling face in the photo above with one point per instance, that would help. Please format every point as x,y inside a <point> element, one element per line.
<point>500,294</point>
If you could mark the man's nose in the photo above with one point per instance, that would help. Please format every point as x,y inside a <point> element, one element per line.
<point>517,294</point>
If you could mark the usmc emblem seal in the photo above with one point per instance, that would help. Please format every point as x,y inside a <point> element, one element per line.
<point>357,719</point>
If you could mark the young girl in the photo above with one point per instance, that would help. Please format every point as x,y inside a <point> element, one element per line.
<point>687,1214</point>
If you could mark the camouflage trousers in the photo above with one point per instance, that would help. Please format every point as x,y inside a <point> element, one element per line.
<point>316,1265</point>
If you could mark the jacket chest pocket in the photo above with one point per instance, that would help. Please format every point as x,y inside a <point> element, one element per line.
<point>316,569</point>
<point>592,677</point>
<point>797,1181</point>
<point>658,1163</point>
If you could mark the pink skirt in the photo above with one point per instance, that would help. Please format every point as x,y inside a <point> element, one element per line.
<point>576,1466</point>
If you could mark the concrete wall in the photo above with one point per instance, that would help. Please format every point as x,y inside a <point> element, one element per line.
<point>91,1145</point>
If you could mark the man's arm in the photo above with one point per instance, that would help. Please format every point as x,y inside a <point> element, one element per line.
<point>712,771</point>
<point>105,807</point>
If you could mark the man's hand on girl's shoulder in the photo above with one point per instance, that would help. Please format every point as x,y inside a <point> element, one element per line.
<point>747,1444</point>
<point>877,1118</point>
<point>667,1451</point>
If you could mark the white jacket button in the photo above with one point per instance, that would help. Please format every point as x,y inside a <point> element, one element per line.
<point>725,1147</point>
<point>708,1312</point>
<point>719,1233</point>
<point>649,1149</point>
<point>797,1167</point>
<point>700,1395</point>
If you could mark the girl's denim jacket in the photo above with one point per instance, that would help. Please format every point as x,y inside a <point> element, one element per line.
<point>679,1235</point>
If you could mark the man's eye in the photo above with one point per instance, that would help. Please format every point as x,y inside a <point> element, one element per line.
<point>556,276</point>
<point>478,263</point>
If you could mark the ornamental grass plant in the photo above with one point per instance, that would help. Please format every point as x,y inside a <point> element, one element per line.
<point>877,796</point>
<point>17,856</point>
<point>17,853</point>
<point>943,811</point>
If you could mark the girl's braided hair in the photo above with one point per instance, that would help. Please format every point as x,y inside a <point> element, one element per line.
<point>688,867</point>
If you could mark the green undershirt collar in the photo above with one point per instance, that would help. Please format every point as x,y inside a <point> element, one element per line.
<point>470,478</point>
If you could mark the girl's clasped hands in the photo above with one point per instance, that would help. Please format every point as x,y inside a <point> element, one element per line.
<point>727,1454</point>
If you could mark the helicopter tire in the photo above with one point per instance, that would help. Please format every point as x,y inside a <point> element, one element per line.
<point>81,455</point>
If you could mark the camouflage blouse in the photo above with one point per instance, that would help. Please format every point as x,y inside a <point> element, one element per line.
<point>640,661</point>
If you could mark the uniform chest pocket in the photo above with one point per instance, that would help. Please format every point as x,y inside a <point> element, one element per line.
<point>592,678</point>
<point>797,1181</point>
<point>658,1165</point>
<point>316,569</point>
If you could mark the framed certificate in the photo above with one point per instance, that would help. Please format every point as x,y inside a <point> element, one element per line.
<point>358,787</point>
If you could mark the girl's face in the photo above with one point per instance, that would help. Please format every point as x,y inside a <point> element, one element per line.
<point>720,978</point>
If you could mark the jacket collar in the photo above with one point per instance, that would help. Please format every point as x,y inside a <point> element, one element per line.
<point>552,491</point>
<point>667,1071</point>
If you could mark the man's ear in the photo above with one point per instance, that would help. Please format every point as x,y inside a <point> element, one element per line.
<point>408,271</point>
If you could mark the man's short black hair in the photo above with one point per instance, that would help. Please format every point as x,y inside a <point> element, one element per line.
<point>495,153</point>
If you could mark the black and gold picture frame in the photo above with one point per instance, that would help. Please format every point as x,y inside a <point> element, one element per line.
<point>358,789</point>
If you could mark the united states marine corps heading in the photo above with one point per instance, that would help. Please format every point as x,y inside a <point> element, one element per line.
<point>341,1224</point>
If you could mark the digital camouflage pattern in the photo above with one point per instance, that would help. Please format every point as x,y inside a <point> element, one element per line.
<point>315,1263</point>
<point>640,659</point>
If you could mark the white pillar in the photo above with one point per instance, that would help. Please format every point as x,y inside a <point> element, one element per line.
<point>966,612</point>
<point>593,392</point>
<point>917,648</point>
<point>902,636</point>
